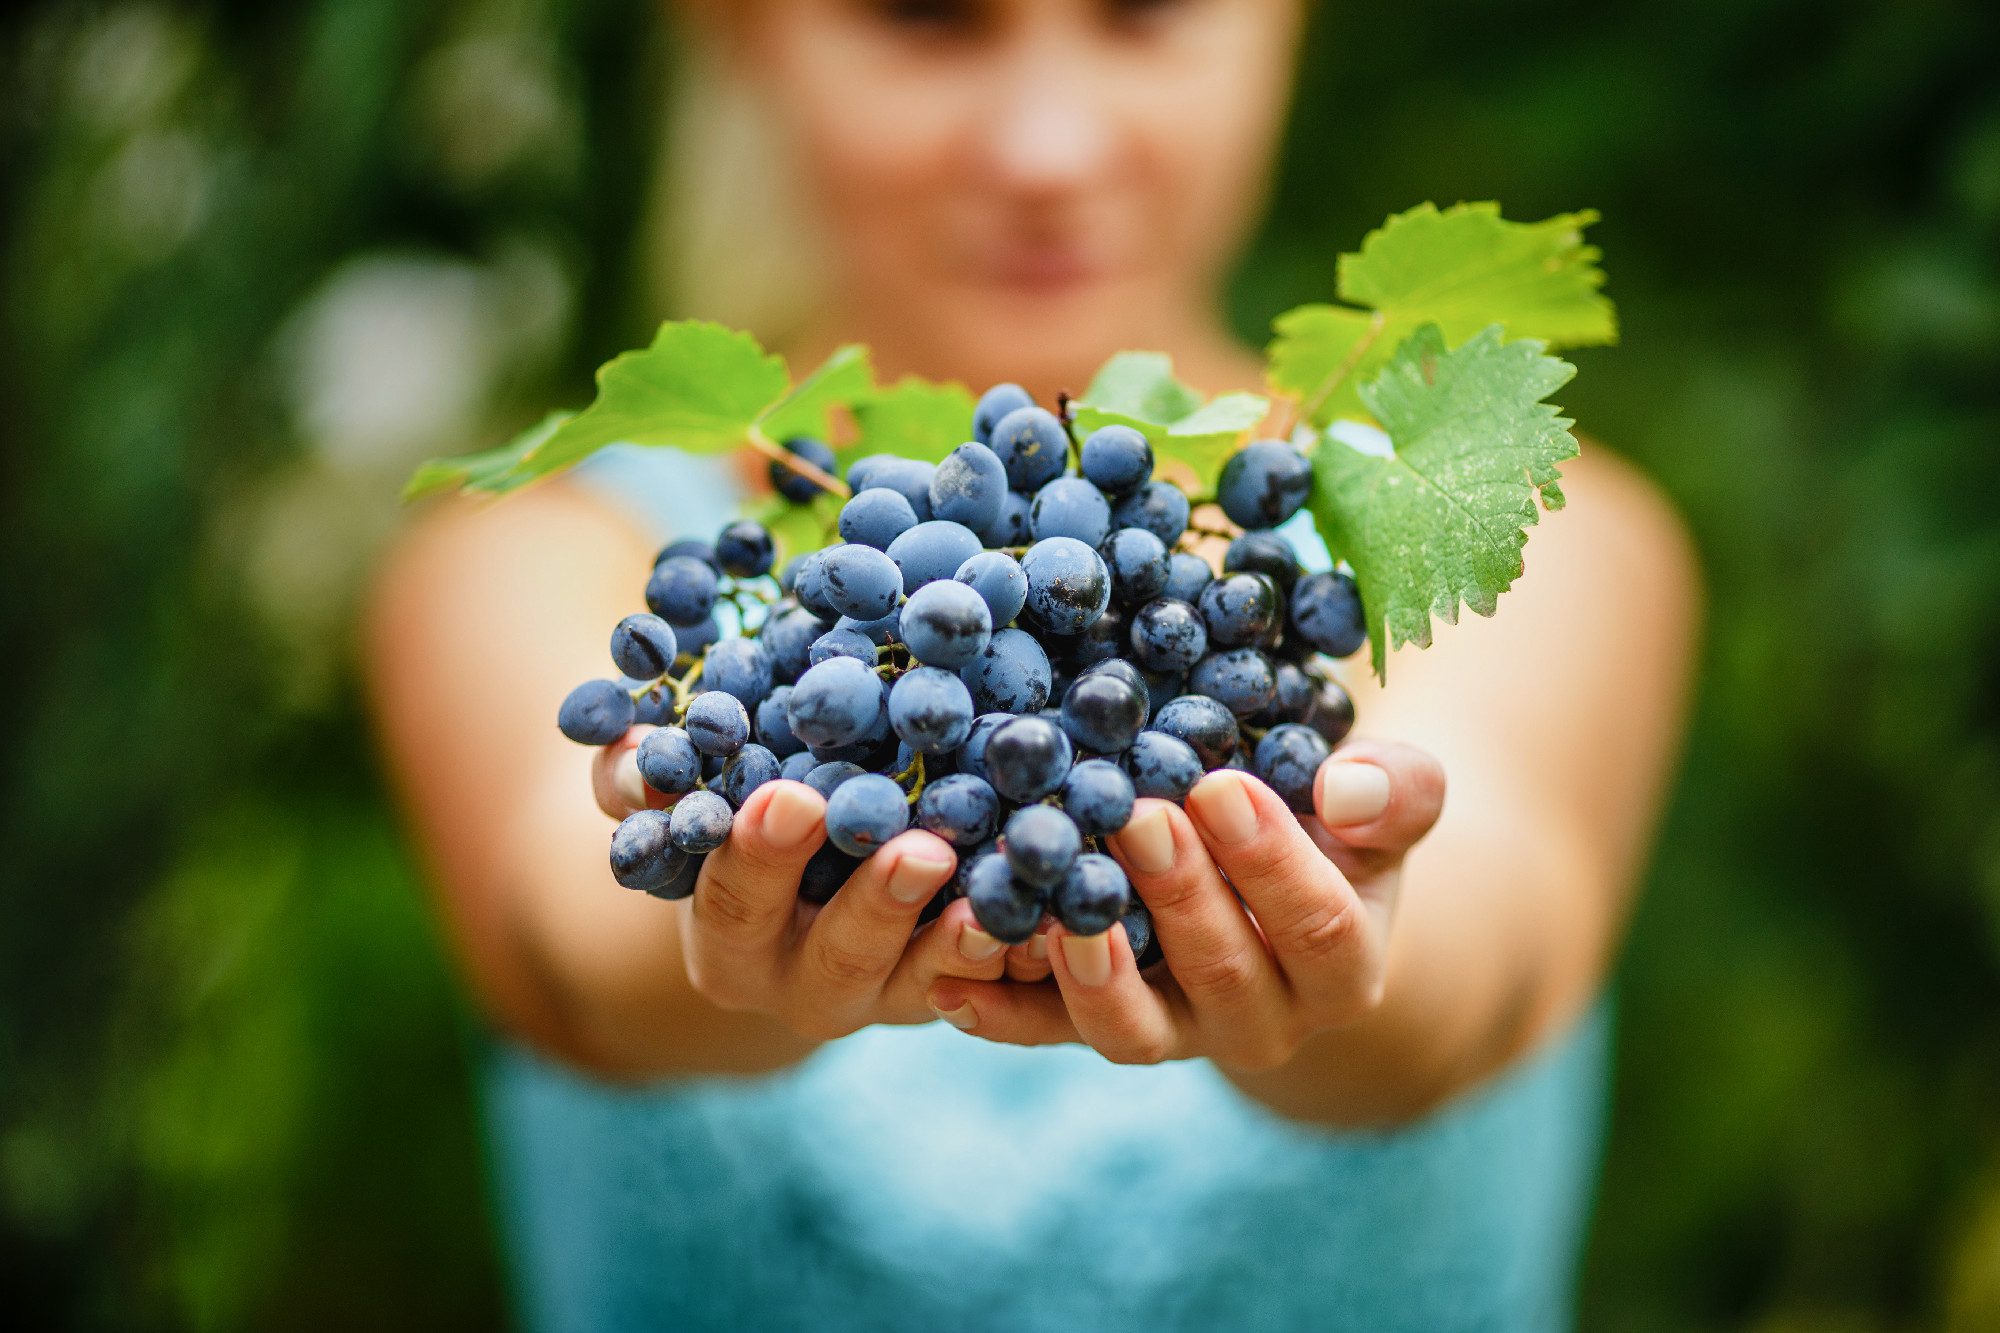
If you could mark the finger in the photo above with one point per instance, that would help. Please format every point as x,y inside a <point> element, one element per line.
<point>1124,1020</point>
<point>1004,1011</point>
<point>856,940</point>
<point>747,897</point>
<point>1323,936</point>
<point>614,775</point>
<point>1224,968</point>
<point>1029,960</point>
<point>951,946</point>
<point>1379,795</point>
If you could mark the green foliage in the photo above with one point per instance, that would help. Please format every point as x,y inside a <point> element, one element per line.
<point>1442,520</point>
<point>493,470</point>
<point>844,378</point>
<point>913,418</point>
<point>1138,389</point>
<point>1461,268</point>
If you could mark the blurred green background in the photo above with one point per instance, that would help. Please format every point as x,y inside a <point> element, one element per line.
<point>259,256</point>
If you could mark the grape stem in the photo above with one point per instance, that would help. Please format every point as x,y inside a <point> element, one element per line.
<point>916,770</point>
<point>1067,416</point>
<point>777,453</point>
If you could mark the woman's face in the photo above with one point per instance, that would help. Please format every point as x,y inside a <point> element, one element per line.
<point>1014,188</point>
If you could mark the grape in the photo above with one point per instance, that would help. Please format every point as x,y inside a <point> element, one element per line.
<point>798,765</point>
<point>774,727</point>
<point>1138,564</point>
<point>994,404</point>
<point>825,873</point>
<point>596,712</point>
<point>858,470</point>
<point>946,624</point>
<point>865,812</point>
<point>1161,687</point>
<point>1138,923</point>
<point>695,640</point>
<point>1208,728</point>
<point>996,577</point>
<point>1041,843</point>
<point>1117,460</point>
<point>1239,609</point>
<point>1103,712</point>
<point>1070,507</point>
<point>809,587</point>
<point>877,741</point>
<point>850,643</point>
<point>717,723</point>
<point>861,581</point>
<point>682,884</point>
<point>835,702</point>
<point>1068,585</point>
<point>1263,553</point>
<point>1032,445</point>
<point>938,764</point>
<point>825,778</point>
<point>668,761</point>
<point>1291,701</point>
<point>701,822</point>
<point>745,550</point>
<point>930,709</point>
<point>875,517</point>
<point>1098,796</point>
<point>961,809</point>
<point>1027,758</point>
<point>1168,635</point>
<point>1162,765</point>
<point>878,632</point>
<point>1326,611</point>
<point>643,855</point>
<point>1010,676</point>
<point>1005,907</point>
<point>1187,575</point>
<point>643,646</point>
<point>682,590</point>
<point>692,547</point>
<point>1092,897</point>
<point>654,708</point>
<point>971,755</point>
<point>747,770</point>
<point>788,637</point>
<point>909,477</point>
<point>1333,713</point>
<point>1240,679</point>
<point>1263,484</point>
<point>932,551</point>
<point>1120,668</point>
<point>1101,641</point>
<point>1288,760</point>
<point>969,487</point>
<point>739,667</point>
<point>792,485</point>
<point>1012,528</point>
<point>1157,507</point>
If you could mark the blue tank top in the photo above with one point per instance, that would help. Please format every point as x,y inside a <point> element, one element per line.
<point>923,1179</point>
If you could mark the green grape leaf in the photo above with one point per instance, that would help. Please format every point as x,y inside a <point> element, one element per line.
<point>915,418</point>
<point>1138,389</point>
<point>482,471</point>
<point>1460,268</point>
<point>1444,519</point>
<point>844,378</point>
<point>798,528</point>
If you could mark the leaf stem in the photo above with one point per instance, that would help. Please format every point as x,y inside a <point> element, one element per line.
<point>777,453</point>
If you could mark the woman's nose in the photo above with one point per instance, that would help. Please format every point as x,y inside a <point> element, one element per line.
<point>1047,133</point>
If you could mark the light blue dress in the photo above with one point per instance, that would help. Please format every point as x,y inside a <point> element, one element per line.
<point>922,1179</point>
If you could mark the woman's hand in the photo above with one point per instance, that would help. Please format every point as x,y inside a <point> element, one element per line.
<point>1305,947</point>
<point>750,944</point>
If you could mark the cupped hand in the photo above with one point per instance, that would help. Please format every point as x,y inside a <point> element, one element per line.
<point>1298,946</point>
<point>750,943</point>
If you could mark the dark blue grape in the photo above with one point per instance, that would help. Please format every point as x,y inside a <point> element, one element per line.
<point>1005,907</point>
<point>711,767</point>
<point>1092,896</point>
<point>1288,760</point>
<point>1012,528</point>
<point>825,778</point>
<point>1263,484</point>
<point>1041,844</point>
<point>717,723</point>
<point>1187,575</point>
<point>1265,553</point>
<point>682,885</point>
<point>682,591</point>
<point>1070,507</point>
<point>596,712</point>
<point>1291,701</point>
<point>643,855</point>
<point>643,646</point>
<point>836,702</point>
<point>969,487</point>
<point>1117,459</point>
<point>842,643</point>
<point>1161,687</point>
<point>1027,758</point>
<point>1120,668</point>
<point>877,743</point>
<point>1032,445</point>
<point>1138,564</point>
<point>1102,712</point>
<point>865,812</point>
<point>994,404</point>
<point>692,547</point>
<point>654,708</point>
<point>946,624</point>
<point>797,766</point>
<point>961,809</point>
<point>1159,508</point>
<point>1333,713</point>
<point>669,762</point>
<point>909,477</point>
<point>858,470</point>
<point>878,632</point>
<point>1010,676</point>
<point>1207,727</point>
<point>1240,679</point>
<point>794,487</point>
<point>747,770</point>
<point>1162,766</point>
<point>861,581</point>
<point>809,587</point>
<point>1138,923</point>
<point>1326,611</point>
<point>875,517</point>
<point>935,765</point>
<point>930,709</point>
<point>997,577</point>
<point>745,550</point>
<point>774,726</point>
<point>696,640</point>
<point>1239,609</point>
<point>788,637</point>
<point>1068,585</point>
<point>700,822</point>
<point>1168,635</point>
<point>739,667</point>
<point>932,551</point>
<point>1098,796</point>
<point>972,755</point>
<point>825,873</point>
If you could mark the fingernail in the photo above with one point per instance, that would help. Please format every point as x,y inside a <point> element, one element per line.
<point>1038,946</point>
<point>625,780</point>
<point>1222,805</point>
<point>791,816</point>
<point>961,1018</point>
<point>1089,958</point>
<point>1148,842</point>
<point>914,879</point>
<point>1351,793</point>
<point>977,945</point>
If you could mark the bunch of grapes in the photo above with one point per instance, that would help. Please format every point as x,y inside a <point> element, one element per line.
<point>1006,648</point>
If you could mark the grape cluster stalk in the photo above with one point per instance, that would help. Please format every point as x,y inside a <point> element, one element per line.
<point>1007,648</point>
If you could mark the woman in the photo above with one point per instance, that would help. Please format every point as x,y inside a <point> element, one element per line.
<point>1394,1124</point>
